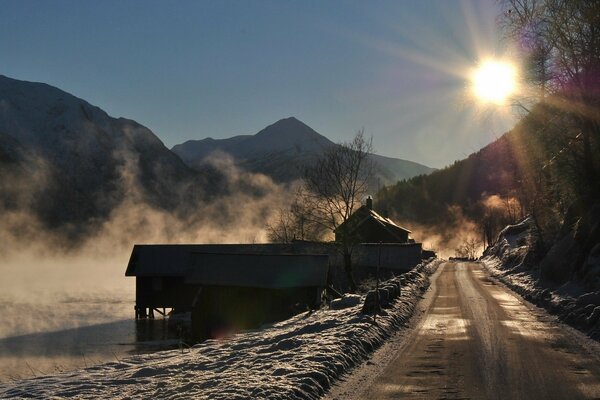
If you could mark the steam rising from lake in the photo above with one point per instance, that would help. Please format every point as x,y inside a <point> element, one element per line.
<point>47,284</point>
<point>51,282</point>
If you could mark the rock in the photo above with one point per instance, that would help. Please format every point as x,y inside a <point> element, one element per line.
<point>567,303</point>
<point>510,240</point>
<point>584,312</point>
<point>349,300</point>
<point>567,307</point>
<point>392,290</point>
<point>384,297</point>
<point>546,294</point>
<point>554,307</point>
<point>571,317</point>
<point>555,265</point>
<point>588,298</point>
<point>398,286</point>
<point>370,305</point>
<point>375,300</point>
<point>388,292</point>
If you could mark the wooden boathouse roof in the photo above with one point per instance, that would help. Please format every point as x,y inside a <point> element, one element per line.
<point>227,265</point>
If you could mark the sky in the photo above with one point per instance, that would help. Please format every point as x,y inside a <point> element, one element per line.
<point>196,69</point>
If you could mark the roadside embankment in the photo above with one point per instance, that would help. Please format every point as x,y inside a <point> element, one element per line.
<point>575,301</point>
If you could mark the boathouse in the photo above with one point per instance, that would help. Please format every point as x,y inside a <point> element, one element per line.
<point>223,287</point>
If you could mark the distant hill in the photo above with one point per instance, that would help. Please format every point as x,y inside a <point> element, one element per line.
<point>70,163</point>
<point>281,150</point>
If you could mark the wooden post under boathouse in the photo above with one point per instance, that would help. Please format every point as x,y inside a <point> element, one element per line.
<point>160,279</point>
<point>225,290</point>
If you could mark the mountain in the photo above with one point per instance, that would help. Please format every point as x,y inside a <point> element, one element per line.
<point>282,149</point>
<point>70,163</point>
<point>66,166</point>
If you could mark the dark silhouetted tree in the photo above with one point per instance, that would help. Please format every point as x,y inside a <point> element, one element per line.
<point>333,188</point>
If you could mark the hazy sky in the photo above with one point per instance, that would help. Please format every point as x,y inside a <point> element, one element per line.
<point>193,69</point>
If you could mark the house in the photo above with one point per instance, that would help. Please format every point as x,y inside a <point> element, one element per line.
<point>367,226</point>
<point>226,287</point>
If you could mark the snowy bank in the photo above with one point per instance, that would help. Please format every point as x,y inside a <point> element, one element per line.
<point>509,260</point>
<point>294,359</point>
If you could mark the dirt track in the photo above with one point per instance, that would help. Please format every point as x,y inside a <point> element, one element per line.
<point>476,339</point>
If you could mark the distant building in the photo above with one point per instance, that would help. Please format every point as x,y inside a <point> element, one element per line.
<point>367,226</point>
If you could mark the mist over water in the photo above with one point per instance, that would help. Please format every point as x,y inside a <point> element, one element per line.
<point>43,293</point>
<point>81,292</point>
<point>62,312</point>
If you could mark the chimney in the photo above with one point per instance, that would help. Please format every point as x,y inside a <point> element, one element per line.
<point>370,203</point>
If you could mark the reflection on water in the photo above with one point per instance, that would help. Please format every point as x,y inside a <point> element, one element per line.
<point>38,354</point>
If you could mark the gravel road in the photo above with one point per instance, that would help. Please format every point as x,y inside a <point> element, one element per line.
<point>475,339</point>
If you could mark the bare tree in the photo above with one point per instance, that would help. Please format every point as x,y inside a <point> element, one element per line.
<point>513,209</point>
<point>468,249</point>
<point>333,188</point>
<point>494,217</point>
<point>293,223</point>
<point>283,229</point>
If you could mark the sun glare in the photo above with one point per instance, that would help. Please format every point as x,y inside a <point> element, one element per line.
<point>494,81</point>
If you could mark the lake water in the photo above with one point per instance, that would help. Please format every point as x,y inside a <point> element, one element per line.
<point>63,312</point>
<point>48,352</point>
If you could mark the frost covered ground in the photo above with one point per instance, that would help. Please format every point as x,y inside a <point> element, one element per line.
<point>571,302</point>
<point>294,359</point>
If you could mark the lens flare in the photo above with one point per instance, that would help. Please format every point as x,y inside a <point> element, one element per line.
<point>494,81</point>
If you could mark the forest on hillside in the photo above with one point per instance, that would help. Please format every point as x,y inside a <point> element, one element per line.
<point>536,168</point>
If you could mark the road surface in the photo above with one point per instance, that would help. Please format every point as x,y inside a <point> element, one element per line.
<point>476,339</point>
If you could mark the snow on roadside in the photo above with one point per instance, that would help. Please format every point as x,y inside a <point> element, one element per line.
<point>578,310</point>
<point>295,359</point>
<point>523,283</point>
<point>505,260</point>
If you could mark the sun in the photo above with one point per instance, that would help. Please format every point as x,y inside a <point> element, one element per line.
<point>493,81</point>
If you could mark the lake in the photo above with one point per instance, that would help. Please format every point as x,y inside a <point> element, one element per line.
<point>25,355</point>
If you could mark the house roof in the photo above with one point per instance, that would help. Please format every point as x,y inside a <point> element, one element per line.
<point>230,265</point>
<point>364,214</point>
